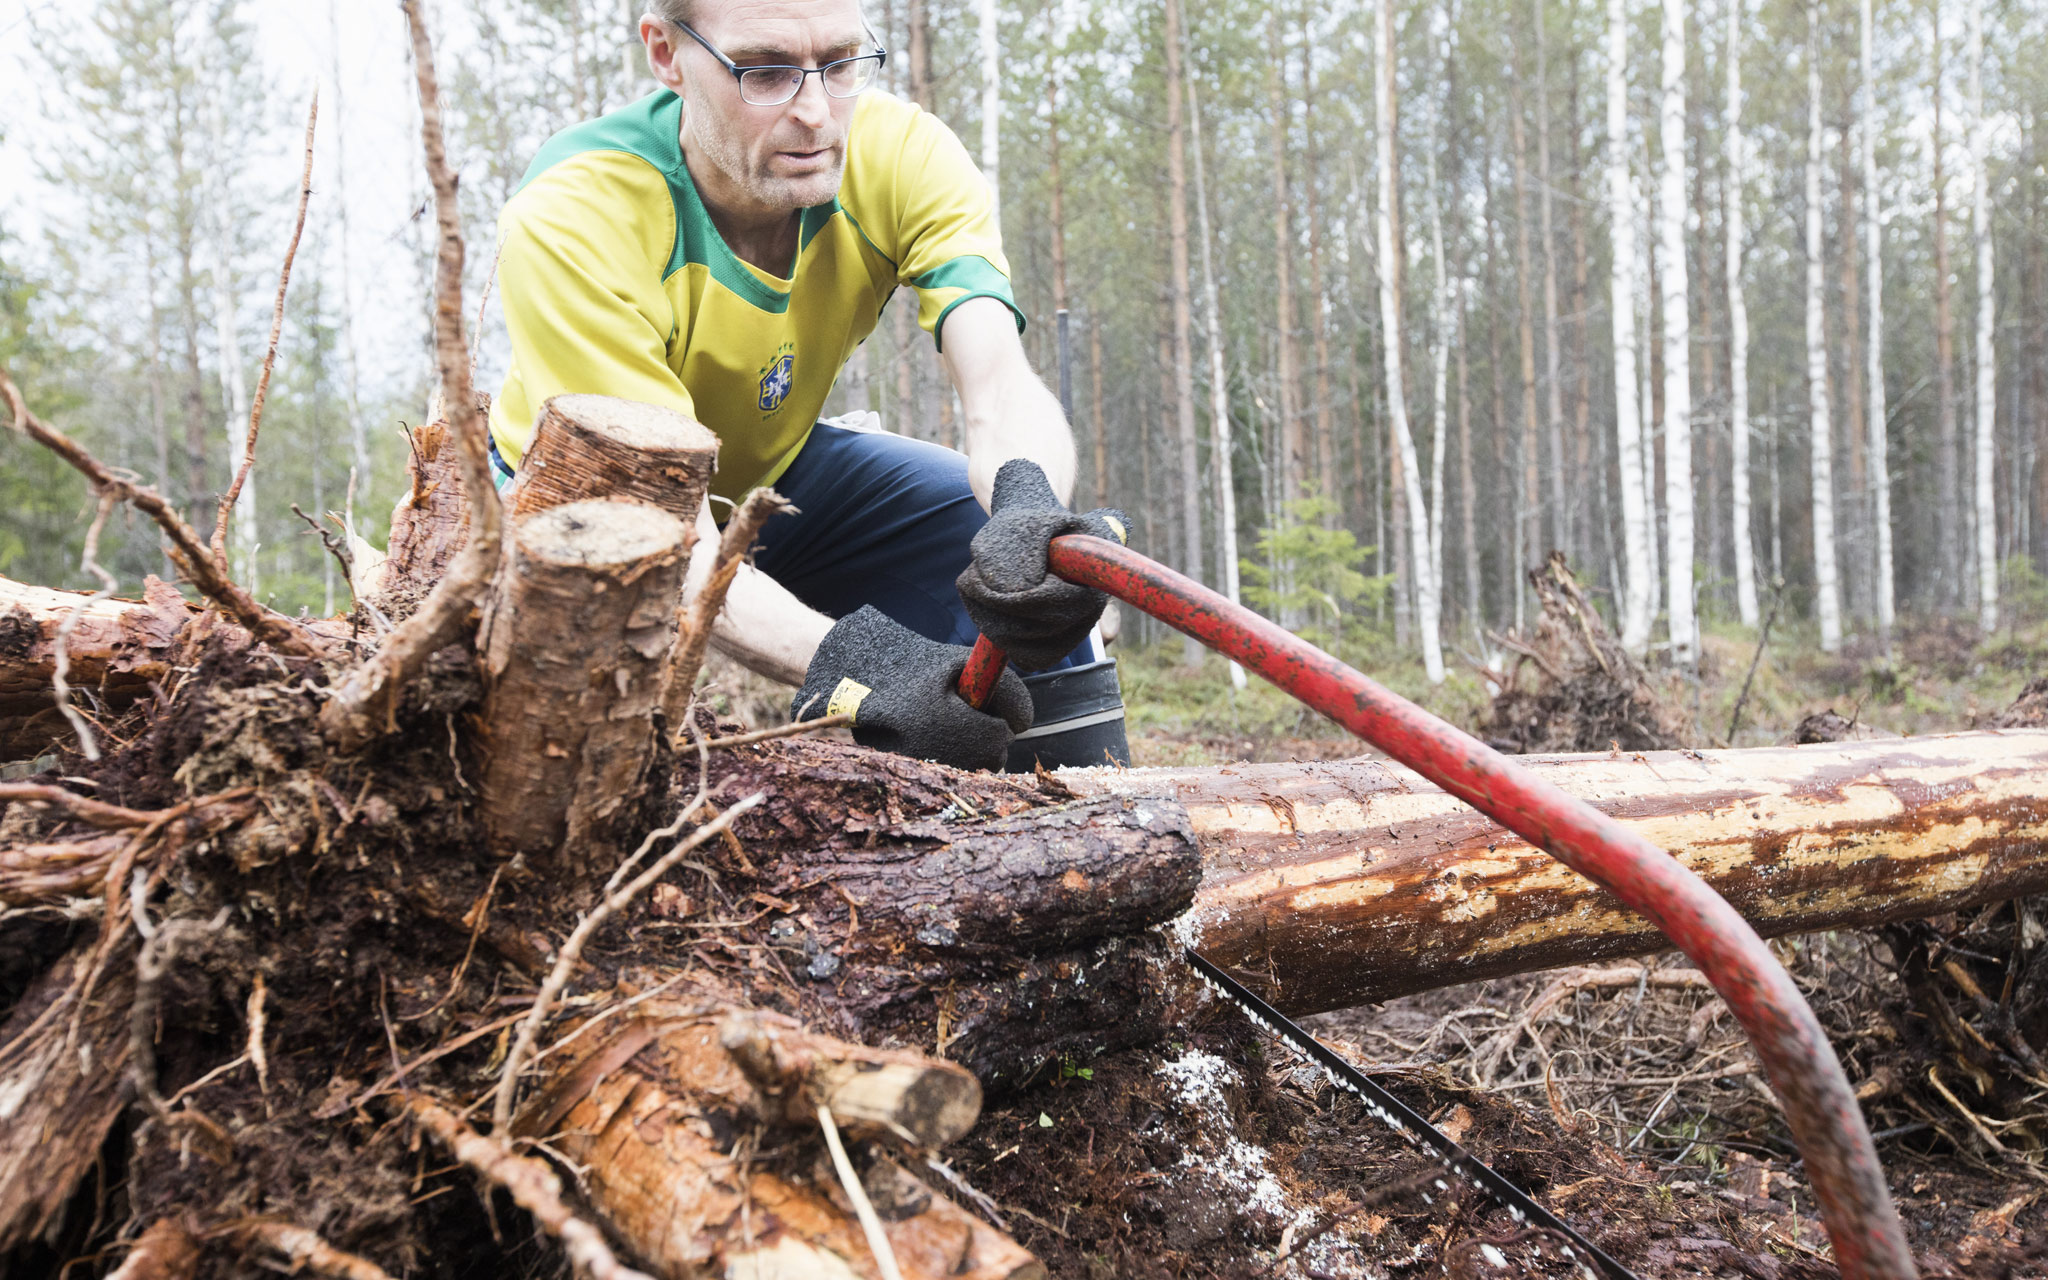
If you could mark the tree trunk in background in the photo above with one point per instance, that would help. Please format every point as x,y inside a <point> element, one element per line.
<point>1561,502</point>
<point>1428,600</point>
<point>1293,460</point>
<point>1738,329</point>
<point>1095,408</point>
<point>1529,519</point>
<point>1949,557</point>
<point>1856,572</point>
<point>1678,511</point>
<point>1183,347</point>
<point>1873,262</point>
<point>1639,586</point>
<point>1057,214</point>
<point>1319,286</point>
<point>1220,455</point>
<point>1827,588</point>
<point>991,104</point>
<point>1439,361</point>
<point>1467,493</point>
<point>1987,356</point>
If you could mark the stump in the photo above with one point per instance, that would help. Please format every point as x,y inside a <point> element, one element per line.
<point>573,647</point>
<point>602,447</point>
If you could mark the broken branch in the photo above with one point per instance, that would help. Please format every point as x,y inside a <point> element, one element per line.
<point>695,616</point>
<point>192,556</point>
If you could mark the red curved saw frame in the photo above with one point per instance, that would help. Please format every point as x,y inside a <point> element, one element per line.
<point>1827,1122</point>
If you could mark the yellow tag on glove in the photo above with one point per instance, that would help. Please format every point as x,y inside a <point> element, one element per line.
<point>846,698</point>
<point>1116,526</point>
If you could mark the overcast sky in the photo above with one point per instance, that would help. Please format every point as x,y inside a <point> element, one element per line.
<point>303,44</point>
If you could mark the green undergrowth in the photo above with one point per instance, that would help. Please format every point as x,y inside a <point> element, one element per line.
<point>1939,675</point>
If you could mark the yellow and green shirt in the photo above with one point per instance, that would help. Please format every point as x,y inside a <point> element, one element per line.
<point>615,281</point>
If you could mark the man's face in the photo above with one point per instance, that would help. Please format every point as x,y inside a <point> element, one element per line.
<point>779,158</point>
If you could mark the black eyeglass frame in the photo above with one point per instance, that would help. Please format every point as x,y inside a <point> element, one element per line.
<point>880,57</point>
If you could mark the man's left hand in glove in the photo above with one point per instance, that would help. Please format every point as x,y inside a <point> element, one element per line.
<point>1010,592</point>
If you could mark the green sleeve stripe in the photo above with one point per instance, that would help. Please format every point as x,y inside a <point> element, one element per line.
<point>975,277</point>
<point>939,325</point>
<point>974,273</point>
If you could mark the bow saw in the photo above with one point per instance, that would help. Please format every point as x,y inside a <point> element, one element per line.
<point>1826,1120</point>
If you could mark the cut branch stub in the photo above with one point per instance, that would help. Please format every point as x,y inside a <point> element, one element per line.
<point>431,521</point>
<point>602,447</point>
<point>920,1100</point>
<point>574,642</point>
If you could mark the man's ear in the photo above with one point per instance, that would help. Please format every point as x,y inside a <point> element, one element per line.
<point>662,52</point>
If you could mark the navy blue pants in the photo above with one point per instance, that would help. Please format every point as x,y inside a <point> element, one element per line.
<point>881,520</point>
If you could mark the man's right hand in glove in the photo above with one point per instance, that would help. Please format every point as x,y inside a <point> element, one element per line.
<point>903,693</point>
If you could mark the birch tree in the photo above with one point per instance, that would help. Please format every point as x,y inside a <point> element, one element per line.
<point>1987,355</point>
<point>1873,265</point>
<point>1639,588</point>
<point>1219,390</point>
<point>1677,346</point>
<point>991,104</point>
<point>1738,328</point>
<point>1948,474</point>
<point>1385,96</point>
<point>1826,574</point>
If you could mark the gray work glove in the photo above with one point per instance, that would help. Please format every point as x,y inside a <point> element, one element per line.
<point>903,692</point>
<point>1025,609</point>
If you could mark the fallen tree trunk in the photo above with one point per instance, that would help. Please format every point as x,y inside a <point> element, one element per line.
<point>1343,883</point>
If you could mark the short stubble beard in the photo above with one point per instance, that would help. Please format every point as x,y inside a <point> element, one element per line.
<point>749,173</point>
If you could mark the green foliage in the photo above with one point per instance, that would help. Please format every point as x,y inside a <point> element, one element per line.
<point>1308,568</point>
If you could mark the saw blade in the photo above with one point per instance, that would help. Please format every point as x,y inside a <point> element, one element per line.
<point>1410,1125</point>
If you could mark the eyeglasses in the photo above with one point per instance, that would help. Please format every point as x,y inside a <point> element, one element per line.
<point>774,85</point>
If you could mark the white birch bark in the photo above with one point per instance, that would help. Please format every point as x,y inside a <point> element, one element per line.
<point>1638,603</point>
<point>991,105</point>
<point>1987,355</point>
<point>1873,264</point>
<point>1219,387</point>
<point>1738,329</point>
<point>1826,572</point>
<point>1427,600</point>
<point>1677,346</point>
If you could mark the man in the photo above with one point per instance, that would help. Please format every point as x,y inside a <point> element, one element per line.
<point>721,247</point>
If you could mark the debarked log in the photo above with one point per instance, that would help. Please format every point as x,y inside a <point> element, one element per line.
<point>1343,883</point>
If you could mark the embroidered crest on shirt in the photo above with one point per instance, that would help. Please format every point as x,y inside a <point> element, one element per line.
<point>777,379</point>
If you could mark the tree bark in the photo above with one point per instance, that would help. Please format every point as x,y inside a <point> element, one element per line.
<point>1948,509</point>
<point>1349,882</point>
<point>1820,430</point>
<point>1985,418</point>
<point>1416,561</point>
<point>1221,456</point>
<point>1678,503</point>
<point>1738,328</point>
<point>1293,461</point>
<point>1873,265</point>
<point>1189,447</point>
<point>573,644</point>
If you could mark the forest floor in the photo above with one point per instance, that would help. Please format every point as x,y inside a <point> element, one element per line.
<point>1632,1109</point>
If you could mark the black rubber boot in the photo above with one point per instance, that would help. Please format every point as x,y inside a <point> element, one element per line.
<point>1077,720</point>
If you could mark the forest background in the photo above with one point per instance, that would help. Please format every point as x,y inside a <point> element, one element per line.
<point>1376,303</point>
